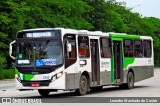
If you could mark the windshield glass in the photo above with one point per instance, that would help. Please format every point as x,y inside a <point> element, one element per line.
<point>40,53</point>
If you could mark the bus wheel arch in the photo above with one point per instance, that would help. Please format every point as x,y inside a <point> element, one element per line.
<point>84,84</point>
<point>131,70</point>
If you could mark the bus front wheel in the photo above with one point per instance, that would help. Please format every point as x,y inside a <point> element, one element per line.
<point>43,92</point>
<point>83,86</point>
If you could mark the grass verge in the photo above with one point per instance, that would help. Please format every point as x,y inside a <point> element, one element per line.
<point>7,74</point>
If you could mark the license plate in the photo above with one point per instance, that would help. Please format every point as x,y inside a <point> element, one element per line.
<point>35,84</point>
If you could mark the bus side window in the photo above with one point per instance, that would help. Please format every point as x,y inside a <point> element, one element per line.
<point>128,48</point>
<point>147,48</point>
<point>83,46</point>
<point>70,56</point>
<point>138,48</point>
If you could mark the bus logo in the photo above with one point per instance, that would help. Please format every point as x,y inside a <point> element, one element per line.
<point>41,62</point>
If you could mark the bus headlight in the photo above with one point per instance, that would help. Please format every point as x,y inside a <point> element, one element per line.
<point>16,76</point>
<point>59,75</point>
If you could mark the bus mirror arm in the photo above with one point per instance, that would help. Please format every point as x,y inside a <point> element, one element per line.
<point>10,49</point>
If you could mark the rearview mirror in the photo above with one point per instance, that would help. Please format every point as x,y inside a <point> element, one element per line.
<point>11,49</point>
<point>69,47</point>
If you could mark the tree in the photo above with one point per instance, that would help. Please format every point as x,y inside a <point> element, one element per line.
<point>155,22</point>
<point>103,15</point>
<point>16,15</point>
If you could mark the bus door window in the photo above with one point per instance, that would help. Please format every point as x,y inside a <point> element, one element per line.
<point>105,47</point>
<point>95,63</point>
<point>70,56</point>
<point>72,53</point>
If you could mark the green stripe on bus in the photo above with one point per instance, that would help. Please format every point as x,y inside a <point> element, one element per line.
<point>127,61</point>
<point>112,69</point>
<point>27,77</point>
<point>123,36</point>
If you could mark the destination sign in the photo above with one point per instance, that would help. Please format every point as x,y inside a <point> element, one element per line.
<point>39,34</point>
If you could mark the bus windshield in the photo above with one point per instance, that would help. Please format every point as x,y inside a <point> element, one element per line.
<point>39,53</point>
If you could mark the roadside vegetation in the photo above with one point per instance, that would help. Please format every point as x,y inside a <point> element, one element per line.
<point>7,74</point>
<point>99,15</point>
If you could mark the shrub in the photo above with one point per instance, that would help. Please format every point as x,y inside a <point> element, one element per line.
<point>7,74</point>
<point>2,62</point>
<point>1,75</point>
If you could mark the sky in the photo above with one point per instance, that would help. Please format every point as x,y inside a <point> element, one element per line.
<point>147,8</point>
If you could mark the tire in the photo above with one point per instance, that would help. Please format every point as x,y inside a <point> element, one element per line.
<point>83,86</point>
<point>130,82</point>
<point>43,92</point>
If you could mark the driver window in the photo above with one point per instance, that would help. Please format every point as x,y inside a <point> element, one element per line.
<point>70,56</point>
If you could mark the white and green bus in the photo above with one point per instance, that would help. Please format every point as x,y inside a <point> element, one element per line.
<point>51,59</point>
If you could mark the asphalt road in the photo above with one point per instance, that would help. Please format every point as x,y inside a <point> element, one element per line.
<point>146,88</point>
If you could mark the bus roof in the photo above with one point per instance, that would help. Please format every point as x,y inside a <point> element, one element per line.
<point>36,29</point>
<point>90,33</point>
<point>122,35</point>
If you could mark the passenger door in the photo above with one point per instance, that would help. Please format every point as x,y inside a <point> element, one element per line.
<point>95,62</point>
<point>118,63</point>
